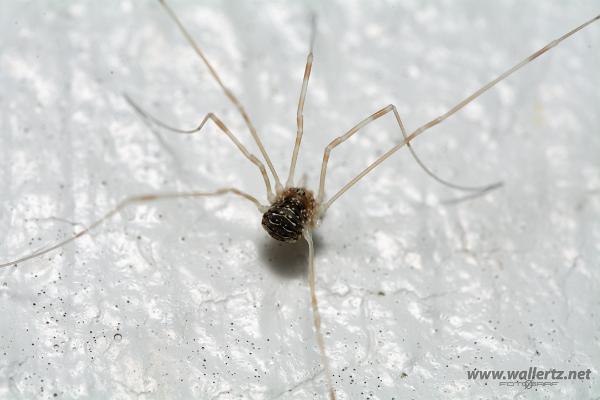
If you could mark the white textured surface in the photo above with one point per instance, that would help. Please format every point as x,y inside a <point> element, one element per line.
<point>191,299</point>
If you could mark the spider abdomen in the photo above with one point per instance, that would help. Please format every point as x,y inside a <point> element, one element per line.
<point>290,214</point>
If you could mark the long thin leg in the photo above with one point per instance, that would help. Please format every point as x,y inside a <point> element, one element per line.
<point>455,109</point>
<point>300,112</point>
<point>133,200</point>
<point>253,159</point>
<point>316,314</point>
<point>226,90</point>
<point>390,108</point>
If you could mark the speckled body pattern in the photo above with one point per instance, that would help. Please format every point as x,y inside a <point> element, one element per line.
<point>290,214</point>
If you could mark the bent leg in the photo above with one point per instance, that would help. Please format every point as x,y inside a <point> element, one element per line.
<point>217,121</point>
<point>139,199</point>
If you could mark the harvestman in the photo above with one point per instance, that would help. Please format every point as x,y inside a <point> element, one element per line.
<point>294,212</point>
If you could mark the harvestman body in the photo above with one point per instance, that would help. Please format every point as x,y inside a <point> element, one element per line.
<point>294,211</point>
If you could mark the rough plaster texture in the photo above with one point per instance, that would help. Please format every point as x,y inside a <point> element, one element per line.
<point>190,299</point>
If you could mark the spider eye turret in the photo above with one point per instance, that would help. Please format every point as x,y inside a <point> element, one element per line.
<point>289,215</point>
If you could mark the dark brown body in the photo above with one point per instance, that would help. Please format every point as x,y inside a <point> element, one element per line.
<point>292,212</point>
